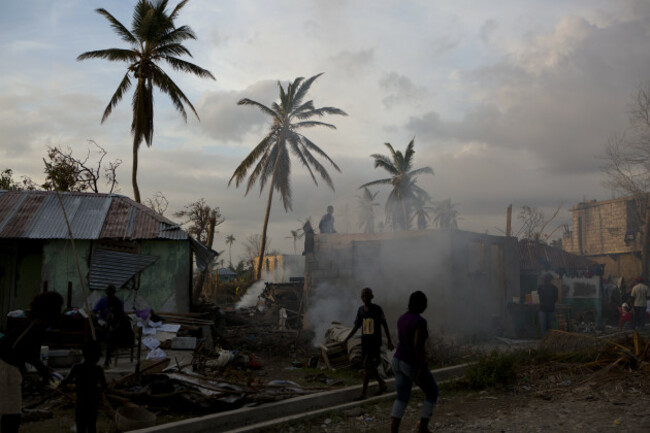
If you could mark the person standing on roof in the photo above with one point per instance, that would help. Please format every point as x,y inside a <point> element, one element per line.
<point>326,224</point>
<point>640,295</point>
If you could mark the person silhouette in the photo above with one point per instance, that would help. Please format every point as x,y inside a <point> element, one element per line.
<point>326,224</point>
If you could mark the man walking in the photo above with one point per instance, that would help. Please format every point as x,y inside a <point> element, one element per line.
<point>370,318</point>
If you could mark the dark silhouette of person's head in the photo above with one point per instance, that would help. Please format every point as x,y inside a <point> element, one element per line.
<point>366,295</point>
<point>417,302</point>
<point>330,209</point>
<point>110,291</point>
<point>46,307</point>
<point>91,352</point>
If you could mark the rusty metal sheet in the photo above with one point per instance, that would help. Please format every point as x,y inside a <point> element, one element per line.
<point>117,219</point>
<point>38,215</point>
<point>20,219</point>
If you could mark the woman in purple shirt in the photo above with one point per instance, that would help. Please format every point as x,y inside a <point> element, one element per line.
<point>410,366</point>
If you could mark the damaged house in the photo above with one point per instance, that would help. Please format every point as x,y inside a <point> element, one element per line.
<point>117,240</point>
<point>467,277</point>
<point>611,233</point>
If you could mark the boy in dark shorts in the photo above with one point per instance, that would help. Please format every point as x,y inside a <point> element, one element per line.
<point>370,318</point>
<point>90,383</point>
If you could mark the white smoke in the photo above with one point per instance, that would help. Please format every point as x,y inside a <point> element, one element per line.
<point>291,268</point>
<point>330,304</point>
<point>251,296</point>
<point>458,271</point>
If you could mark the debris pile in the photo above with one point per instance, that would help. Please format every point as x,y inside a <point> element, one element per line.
<point>587,364</point>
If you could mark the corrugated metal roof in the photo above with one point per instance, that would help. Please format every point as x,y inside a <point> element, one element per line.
<point>116,268</point>
<point>534,256</point>
<point>38,215</point>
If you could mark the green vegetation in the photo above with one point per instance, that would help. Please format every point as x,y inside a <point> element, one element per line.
<point>493,369</point>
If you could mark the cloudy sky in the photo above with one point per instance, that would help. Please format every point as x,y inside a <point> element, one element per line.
<point>509,101</point>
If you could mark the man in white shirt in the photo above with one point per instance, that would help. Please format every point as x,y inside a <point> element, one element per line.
<point>640,295</point>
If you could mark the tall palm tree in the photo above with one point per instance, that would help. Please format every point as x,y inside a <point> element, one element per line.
<point>367,210</point>
<point>230,239</point>
<point>446,217</point>
<point>399,166</point>
<point>153,38</point>
<point>269,161</point>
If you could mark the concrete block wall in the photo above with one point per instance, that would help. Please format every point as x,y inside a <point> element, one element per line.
<point>600,228</point>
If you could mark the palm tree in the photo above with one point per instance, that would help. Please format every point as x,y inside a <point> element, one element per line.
<point>446,217</point>
<point>230,239</point>
<point>403,178</point>
<point>153,38</point>
<point>421,210</point>
<point>367,210</point>
<point>295,235</point>
<point>270,161</point>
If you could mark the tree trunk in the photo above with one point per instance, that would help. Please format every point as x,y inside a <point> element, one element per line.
<point>645,248</point>
<point>260,259</point>
<point>198,289</point>
<point>134,173</point>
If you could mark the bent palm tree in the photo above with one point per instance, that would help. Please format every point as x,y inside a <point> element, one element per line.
<point>153,38</point>
<point>270,161</point>
<point>402,177</point>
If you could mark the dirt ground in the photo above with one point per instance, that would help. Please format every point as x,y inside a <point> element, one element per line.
<point>553,397</point>
<point>620,402</point>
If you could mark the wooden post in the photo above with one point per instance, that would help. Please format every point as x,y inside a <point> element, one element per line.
<point>69,303</point>
<point>509,221</point>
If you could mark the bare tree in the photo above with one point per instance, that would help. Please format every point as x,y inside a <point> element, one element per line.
<point>199,218</point>
<point>531,221</point>
<point>66,172</point>
<point>627,163</point>
<point>158,202</point>
<point>534,223</point>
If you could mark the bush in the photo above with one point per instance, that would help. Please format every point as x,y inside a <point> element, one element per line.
<point>493,369</point>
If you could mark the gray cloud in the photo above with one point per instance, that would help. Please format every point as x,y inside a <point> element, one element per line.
<point>223,119</point>
<point>487,29</point>
<point>559,102</point>
<point>400,90</point>
<point>354,62</point>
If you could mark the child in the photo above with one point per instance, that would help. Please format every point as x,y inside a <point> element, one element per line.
<point>370,318</point>
<point>625,315</point>
<point>90,382</point>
